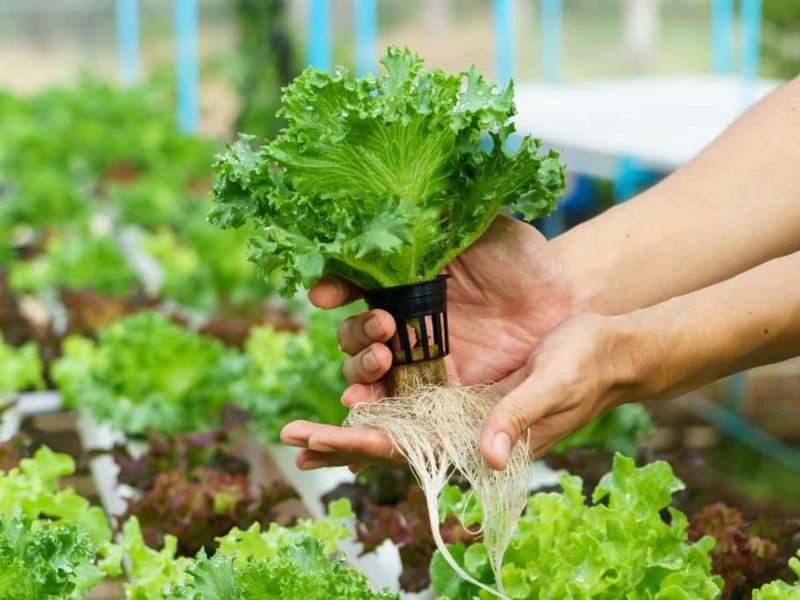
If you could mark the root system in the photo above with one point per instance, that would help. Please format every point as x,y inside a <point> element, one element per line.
<point>437,429</point>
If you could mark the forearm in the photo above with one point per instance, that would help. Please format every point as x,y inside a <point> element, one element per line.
<point>683,343</point>
<point>736,205</point>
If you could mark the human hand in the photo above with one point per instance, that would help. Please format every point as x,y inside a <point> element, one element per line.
<point>505,293</point>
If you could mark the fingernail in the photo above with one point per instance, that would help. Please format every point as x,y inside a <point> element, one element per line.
<point>369,362</point>
<point>313,464</point>
<point>373,328</point>
<point>501,446</point>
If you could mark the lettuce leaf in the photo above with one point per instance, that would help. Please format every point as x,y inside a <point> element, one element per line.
<point>616,546</point>
<point>280,562</point>
<point>53,543</point>
<point>781,590</point>
<point>301,570</point>
<point>301,374</point>
<point>147,372</point>
<point>77,263</point>
<point>618,430</point>
<point>42,560</point>
<point>20,368</point>
<point>381,181</point>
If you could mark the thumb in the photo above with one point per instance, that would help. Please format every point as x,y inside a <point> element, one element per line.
<point>510,418</point>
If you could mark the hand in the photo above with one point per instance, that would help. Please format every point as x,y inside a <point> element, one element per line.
<point>505,293</point>
<point>582,368</point>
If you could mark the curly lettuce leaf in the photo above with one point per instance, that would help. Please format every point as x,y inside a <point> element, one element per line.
<point>77,263</point>
<point>616,546</point>
<point>618,430</point>
<point>145,372</point>
<point>381,181</point>
<point>41,560</point>
<point>280,562</point>
<point>301,374</point>
<point>301,570</point>
<point>20,368</point>
<point>782,590</point>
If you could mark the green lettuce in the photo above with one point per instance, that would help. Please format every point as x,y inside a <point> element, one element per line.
<point>20,368</point>
<point>50,537</point>
<point>280,562</point>
<point>616,546</point>
<point>41,560</point>
<point>77,263</point>
<point>381,181</point>
<point>145,371</point>
<point>301,374</point>
<point>618,430</point>
<point>781,590</point>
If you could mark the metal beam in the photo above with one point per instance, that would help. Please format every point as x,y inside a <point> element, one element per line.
<point>318,45</point>
<point>186,64</point>
<point>365,15</point>
<point>504,40</point>
<point>127,13</point>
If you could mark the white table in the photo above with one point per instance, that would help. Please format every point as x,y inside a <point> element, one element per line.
<point>659,122</point>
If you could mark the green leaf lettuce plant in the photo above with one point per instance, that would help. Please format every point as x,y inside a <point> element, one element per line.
<point>624,542</point>
<point>381,180</point>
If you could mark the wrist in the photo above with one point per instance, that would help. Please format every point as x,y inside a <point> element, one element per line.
<point>586,270</point>
<point>636,366</point>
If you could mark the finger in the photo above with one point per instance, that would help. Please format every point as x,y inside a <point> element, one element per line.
<point>330,292</point>
<point>296,433</point>
<point>360,392</point>
<point>356,333</point>
<point>358,445</point>
<point>307,460</point>
<point>354,442</point>
<point>369,365</point>
<point>510,417</point>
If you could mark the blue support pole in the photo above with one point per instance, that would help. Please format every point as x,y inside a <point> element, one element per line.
<point>503,40</point>
<point>187,69</point>
<point>740,429</point>
<point>550,35</point>
<point>750,17</point>
<point>365,13</point>
<point>128,40</point>
<point>722,36</point>
<point>318,48</point>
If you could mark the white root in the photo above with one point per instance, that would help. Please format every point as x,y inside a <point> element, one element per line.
<point>437,429</point>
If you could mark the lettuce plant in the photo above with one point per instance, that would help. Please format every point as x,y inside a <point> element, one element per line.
<point>782,590</point>
<point>20,368</point>
<point>381,181</point>
<point>40,560</point>
<point>301,374</point>
<point>616,546</point>
<point>618,430</point>
<point>279,562</point>
<point>147,372</point>
<point>77,263</point>
<point>50,538</point>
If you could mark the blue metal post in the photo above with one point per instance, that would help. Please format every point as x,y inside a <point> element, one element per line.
<point>366,28</point>
<point>550,35</point>
<point>128,40</point>
<point>186,44</point>
<point>318,47</point>
<point>722,36</point>
<point>750,47</point>
<point>503,40</point>
<point>742,430</point>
